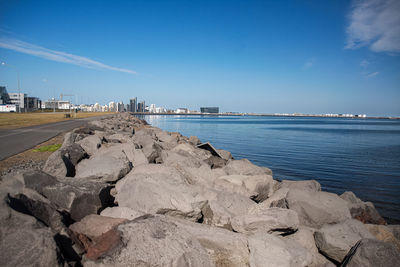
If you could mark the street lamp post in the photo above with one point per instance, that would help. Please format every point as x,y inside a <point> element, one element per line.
<point>19,89</point>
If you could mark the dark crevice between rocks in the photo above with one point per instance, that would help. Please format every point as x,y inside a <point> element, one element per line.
<point>17,205</point>
<point>65,244</point>
<point>70,167</point>
<point>107,200</point>
<point>330,259</point>
<point>284,231</point>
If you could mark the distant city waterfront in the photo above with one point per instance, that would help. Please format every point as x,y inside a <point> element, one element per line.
<point>343,154</point>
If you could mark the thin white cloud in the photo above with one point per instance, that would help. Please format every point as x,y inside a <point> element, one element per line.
<point>364,63</point>
<point>38,51</point>
<point>376,24</point>
<point>308,64</point>
<point>372,74</point>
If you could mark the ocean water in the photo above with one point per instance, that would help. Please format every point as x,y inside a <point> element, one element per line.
<point>343,154</point>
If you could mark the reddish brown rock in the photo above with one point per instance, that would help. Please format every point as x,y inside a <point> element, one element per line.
<point>103,244</point>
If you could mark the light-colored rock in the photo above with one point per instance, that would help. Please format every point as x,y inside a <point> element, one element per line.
<point>305,238</point>
<point>95,225</point>
<point>336,240</point>
<point>194,140</point>
<point>383,233</point>
<point>106,165</point>
<point>121,212</point>
<point>395,229</point>
<point>372,253</point>
<point>157,193</point>
<point>269,250</point>
<point>171,158</point>
<point>226,155</point>
<point>277,199</point>
<point>317,208</point>
<point>310,185</point>
<point>90,144</point>
<point>258,187</point>
<point>362,211</point>
<point>154,241</point>
<point>243,167</point>
<point>273,221</point>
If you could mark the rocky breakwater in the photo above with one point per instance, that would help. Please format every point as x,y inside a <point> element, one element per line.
<point>122,193</point>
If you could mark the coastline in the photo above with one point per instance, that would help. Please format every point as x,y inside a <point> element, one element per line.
<point>120,180</point>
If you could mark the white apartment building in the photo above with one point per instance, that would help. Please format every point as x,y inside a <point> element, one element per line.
<point>17,99</point>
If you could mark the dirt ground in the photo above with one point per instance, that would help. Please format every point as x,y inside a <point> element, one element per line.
<point>29,158</point>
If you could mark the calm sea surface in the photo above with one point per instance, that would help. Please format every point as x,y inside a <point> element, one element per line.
<point>359,155</point>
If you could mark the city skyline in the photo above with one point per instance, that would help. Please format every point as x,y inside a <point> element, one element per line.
<point>264,57</point>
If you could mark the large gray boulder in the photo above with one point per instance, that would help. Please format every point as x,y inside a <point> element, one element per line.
<point>306,185</point>
<point>272,221</point>
<point>90,144</point>
<point>336,240</point>
<point>395,229</point>
<point>121,212</point>
<point>107,165</point>
<point>257,187</point>
<point>159,193</point>
<point>243,167</point>
<point>63,161</point>
<point>270,250</point>
<point>78,197</point>
<point>277,199</point>
<point>154,241</point>
<point>383,233</point>
<point>362,211</point>
<point>317,208</point>
<point>372,253</point>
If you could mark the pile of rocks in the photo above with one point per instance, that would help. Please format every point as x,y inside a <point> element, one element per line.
<point>121,193</point>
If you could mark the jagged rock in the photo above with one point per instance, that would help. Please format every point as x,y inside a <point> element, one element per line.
<point>224,247</point>
<point>215,162</point>
<point>161,193</point>
<point>362,211</point>
<point>372,253</point>
<point>277,199</point>
<point>336,240</point>
<point>78,197</point>
<point>395,229</point>
<point>63,161</point>
<point>161,243</point>
<point>94,225</point>
<point>168,138</point>
<point>90,144</point>
<point>222,207</point>
<point>272,221</point>
<point>310,185</point>
<point>243,167</point>
<point>69,139</point>
<point>171,158</point>
<point>317,208</point>
<point>383,233</point>
<point>194,140</point>
<point>118,138</point>
<point>226,155</point>
<point>270,250</point>
<point>106,165</point>
<point>258,187</point>
<point>121,212</point>
<point>304,236</point>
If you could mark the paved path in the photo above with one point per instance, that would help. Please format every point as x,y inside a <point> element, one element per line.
<point>14,141</point>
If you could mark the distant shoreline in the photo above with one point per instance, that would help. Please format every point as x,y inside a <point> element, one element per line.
<point>260,115</point>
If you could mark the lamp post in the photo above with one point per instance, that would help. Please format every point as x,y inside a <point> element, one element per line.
<point>19,89</point>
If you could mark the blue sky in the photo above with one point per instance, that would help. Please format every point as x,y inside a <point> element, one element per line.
<point>246,56</point>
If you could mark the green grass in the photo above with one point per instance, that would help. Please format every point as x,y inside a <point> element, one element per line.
<point>50,148</point>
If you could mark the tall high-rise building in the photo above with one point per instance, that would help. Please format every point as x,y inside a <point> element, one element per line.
<point>133,105</point>
<point>141,107</point>
<point>4,98</point>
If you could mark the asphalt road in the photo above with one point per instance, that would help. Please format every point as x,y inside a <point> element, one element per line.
<point>14,141</point>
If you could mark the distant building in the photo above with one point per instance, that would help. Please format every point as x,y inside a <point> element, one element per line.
<point>120,107</point>
<point>56,104</point>
<point>141,107</point>
<point>112,106</point>
<point>4,98</point>
<point>17,99</point>
<point>181,110</point>
<point>133,105</point>
<point>209,110</point>
<point>8,108</point>
<point>32,103</point>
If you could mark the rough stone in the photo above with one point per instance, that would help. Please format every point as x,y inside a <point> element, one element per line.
<point>194,140</point>
<point>226,155</point>
<point>335,241</point>
<point>273,221</point>
<point>215,162</point>
<point>309,185</point>
<point>78,197</point>
<point>362,211</point>
<point>154,241</point>
<point>243,167</point>
<point>395,229</point>
<point>108,165</point>
<point>372,253</point>
<point>317,208</point>
<point>383,233</point>
<point>277,199</point>
<point>270,250</point>
<point>121,212</point>
<point>90,144</point>
<point>95,225</point>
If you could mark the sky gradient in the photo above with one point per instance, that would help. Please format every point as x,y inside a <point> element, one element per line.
<point>244,56</point>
